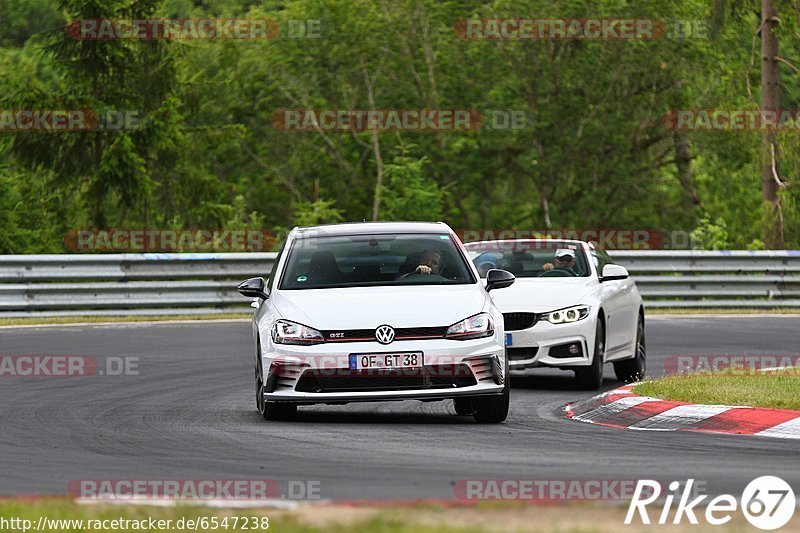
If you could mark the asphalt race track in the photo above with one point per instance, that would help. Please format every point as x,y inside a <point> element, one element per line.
<point>190,414</point>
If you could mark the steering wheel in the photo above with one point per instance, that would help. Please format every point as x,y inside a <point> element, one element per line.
<point>557,273</point>
<point>419,277</point>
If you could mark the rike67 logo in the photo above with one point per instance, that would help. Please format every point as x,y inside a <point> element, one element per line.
<point>767,502</point>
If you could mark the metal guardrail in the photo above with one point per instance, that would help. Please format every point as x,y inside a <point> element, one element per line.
<point>127,284</point>
<point>690,278</point>
<point>185,284</point>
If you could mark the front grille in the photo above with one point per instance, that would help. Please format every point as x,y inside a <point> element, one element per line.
<point>400,334</point>
<point>521,354</point>
<point>518,321</point>
<point>427,377</point>
<point>419,333</point>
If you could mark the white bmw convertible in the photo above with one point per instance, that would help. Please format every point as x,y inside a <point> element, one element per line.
<point>571,308</point>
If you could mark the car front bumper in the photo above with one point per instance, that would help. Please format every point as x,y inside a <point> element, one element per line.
<point>546,345</point>
<point>321,373</point>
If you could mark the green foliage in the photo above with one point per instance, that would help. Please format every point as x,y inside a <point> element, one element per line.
<point>239,217</point>
<point>105,76</point>
<point>594,153</point>
<point>710,234</point>
<point>409,195</point>
<point>756,244</point>
<point>33,215</point>
<point>9,200</point>
<point>316,212</point>
<point>21,19</point>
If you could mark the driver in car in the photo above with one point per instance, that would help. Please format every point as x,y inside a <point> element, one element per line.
<point>430,262</point>
<point>564,260</point>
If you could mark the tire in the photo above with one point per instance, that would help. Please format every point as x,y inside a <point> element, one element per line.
<point>494,409</point>
<point>634,369</point>
<point>464,406</point>
<point>279,411</point>
<point>591,377</point>
<point>259,388</point>
<point>272,410</point>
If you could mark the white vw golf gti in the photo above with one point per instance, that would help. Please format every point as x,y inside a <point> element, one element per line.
<point>570,308</point>
<point>378,311</point>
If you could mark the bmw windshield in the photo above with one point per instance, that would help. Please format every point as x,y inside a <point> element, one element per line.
<point>374,260</point>
<point>530,259</point>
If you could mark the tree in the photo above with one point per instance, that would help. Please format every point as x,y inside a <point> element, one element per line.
<point>770,103</point>
<point>113,168</point>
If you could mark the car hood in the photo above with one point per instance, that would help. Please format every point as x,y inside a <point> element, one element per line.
<point>370,307</point>
<point>539,295</point>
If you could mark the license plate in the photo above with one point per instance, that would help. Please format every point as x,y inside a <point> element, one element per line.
<point>386,360</point>
<point>509,339</point>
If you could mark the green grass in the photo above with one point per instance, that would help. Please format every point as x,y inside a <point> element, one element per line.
<point>489,516</point>
<point>779,390</point>
<point>32,321</point>
<point>720,311</point>
<point>281,521</point>
<point>25,321</point>
<point>420,518</point>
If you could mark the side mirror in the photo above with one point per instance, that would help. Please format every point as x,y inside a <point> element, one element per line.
<point>614,272</point>
<point>253,288</point>
<point>498,279</point>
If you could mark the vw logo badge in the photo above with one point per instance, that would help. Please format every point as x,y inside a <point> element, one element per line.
<point>384,334</point>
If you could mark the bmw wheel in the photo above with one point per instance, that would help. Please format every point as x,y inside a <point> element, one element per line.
<point>634,369</point>
<point>591,377</point>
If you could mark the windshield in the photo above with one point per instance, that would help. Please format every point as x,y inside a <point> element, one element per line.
<point>530,259</point>
<point>372,260</point>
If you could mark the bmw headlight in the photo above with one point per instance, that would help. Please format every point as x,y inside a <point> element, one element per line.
<point>474,327</point>
<point>286,332</point>
<point>567,315</point>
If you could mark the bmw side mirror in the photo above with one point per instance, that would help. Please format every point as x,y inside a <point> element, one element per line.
<point>614,272</point>
<point>498,279</point>
<point>253,288</point>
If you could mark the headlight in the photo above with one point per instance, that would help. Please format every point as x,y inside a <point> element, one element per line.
<point>568,315</point>
<point>285,332</point>
<point>474,327</point>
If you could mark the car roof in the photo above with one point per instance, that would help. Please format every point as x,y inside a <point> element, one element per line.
<point>370,228</point>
